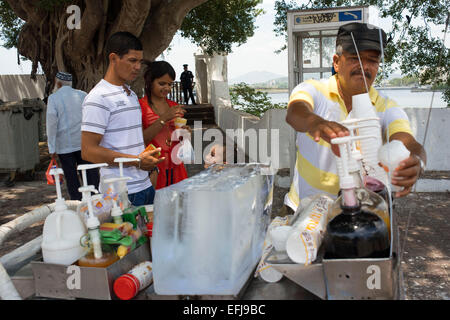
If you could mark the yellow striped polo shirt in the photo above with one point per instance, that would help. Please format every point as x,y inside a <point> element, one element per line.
<point>315,168</point>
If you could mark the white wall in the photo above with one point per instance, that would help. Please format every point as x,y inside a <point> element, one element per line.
<point>15,87</point>
<point>437,143</point>
<point>229,118</point>
<point>212,68</point>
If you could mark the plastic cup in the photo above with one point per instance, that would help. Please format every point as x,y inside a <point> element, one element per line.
<point>279,236</point>
<point>180,122</point>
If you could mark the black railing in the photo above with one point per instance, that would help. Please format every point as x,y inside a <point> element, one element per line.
<point>176,94</point>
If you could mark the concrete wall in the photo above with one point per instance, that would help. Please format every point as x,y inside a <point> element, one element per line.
<point>209,69</point>
<point>16,87</point>
<point>437,143</point>
<point>277,141</point>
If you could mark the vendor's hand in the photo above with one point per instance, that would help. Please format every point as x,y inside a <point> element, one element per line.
<point>53,155</point>
<point>187,128</point>
<point>327,130</point>
<point>174,112</point>
<point>149,160</point>
<point>406,175</point>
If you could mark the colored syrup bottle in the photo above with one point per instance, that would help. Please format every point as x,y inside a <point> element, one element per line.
<point>356,233</point>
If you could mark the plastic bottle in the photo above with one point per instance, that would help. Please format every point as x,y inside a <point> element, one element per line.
<point>102,207</point>
<point>149,209</point>
<point>116,212</point>
<point>122,190</point>
<point>354,232</point>
<point>390,156</point>
<point>62,231</point>
<point>306,237</point>
<point>127,286</point>
<point>362,108</point>
<point>96,257</point>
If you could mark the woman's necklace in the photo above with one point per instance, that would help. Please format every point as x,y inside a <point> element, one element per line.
<point>156,110</point>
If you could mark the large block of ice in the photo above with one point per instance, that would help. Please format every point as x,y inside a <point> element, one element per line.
<point>209,230</point>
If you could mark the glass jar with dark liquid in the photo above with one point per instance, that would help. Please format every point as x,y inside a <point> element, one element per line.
<point>356,233</point>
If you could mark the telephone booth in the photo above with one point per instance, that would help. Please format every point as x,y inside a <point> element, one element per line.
<point>312,40</point>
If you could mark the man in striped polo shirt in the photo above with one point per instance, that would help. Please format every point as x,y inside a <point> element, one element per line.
<point>112,121</point>
<point>316,107</point>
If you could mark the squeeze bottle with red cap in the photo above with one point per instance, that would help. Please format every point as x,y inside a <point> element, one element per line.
<point>128,285</point>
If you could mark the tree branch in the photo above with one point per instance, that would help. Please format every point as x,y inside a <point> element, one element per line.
<point>162,24</point>
<point>90,22</point>
<point>34,14</point>
<point>16,6</point>
<point>102,31</point>
<point>132,17</point>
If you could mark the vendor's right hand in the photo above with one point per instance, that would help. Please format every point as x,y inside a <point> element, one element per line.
<point>174,112</point>
<point>327,130</point>
<point>149,160</point>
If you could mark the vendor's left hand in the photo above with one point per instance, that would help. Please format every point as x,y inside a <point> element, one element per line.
<point>406,175</point>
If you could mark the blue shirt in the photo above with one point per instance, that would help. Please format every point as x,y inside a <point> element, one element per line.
<point>64,120</point>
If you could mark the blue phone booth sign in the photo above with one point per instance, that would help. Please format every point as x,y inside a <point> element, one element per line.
<point>327,17</point>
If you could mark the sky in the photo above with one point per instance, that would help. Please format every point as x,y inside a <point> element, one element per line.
<point>255,55</point>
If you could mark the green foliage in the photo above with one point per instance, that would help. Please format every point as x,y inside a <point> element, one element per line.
<point>404,81</point>
<point>252,101</point>
<point>413,49</point>
<point>10,26</point>
<point>218,24</point>
<point>280,83</point>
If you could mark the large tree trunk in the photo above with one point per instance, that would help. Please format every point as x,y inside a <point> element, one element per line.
<point>46,39</point>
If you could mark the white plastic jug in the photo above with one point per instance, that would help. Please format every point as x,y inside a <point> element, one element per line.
<point>62,231</point>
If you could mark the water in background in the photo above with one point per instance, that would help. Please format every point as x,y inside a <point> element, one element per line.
<point>404,97</point>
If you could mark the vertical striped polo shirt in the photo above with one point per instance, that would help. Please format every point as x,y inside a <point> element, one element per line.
<point>315,168</point>
<point>108,110</point>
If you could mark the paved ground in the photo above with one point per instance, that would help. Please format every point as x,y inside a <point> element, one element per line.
<point>422,218</point>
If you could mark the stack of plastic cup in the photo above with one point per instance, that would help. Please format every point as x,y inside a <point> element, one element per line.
<point>390,155</point>
<point>362,108</point>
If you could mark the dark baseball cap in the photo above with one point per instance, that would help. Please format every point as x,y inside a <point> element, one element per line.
<point>367,37</point>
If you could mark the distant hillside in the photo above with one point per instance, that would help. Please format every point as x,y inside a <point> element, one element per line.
<point>279,83</point>
<point>255,77</point>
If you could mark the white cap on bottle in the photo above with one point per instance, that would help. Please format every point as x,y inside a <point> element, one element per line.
<point>92,222</point>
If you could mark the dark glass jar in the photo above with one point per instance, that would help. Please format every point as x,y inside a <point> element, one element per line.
<point>356,233</point>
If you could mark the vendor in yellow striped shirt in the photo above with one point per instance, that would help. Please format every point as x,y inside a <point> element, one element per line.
<point>316,107</point>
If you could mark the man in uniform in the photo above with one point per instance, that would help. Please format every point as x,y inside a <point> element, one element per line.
<point>187,84</point>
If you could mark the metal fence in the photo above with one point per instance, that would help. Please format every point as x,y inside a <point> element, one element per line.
<point>176,94</point>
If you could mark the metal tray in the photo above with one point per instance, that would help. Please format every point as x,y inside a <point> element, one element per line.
<point>346,279</point>
<point>70,282</point>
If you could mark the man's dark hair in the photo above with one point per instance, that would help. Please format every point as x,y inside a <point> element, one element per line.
<point>155,70</point>
<point>122,42</point>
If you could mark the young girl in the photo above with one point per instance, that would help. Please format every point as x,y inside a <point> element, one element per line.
<point>159,113</point>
